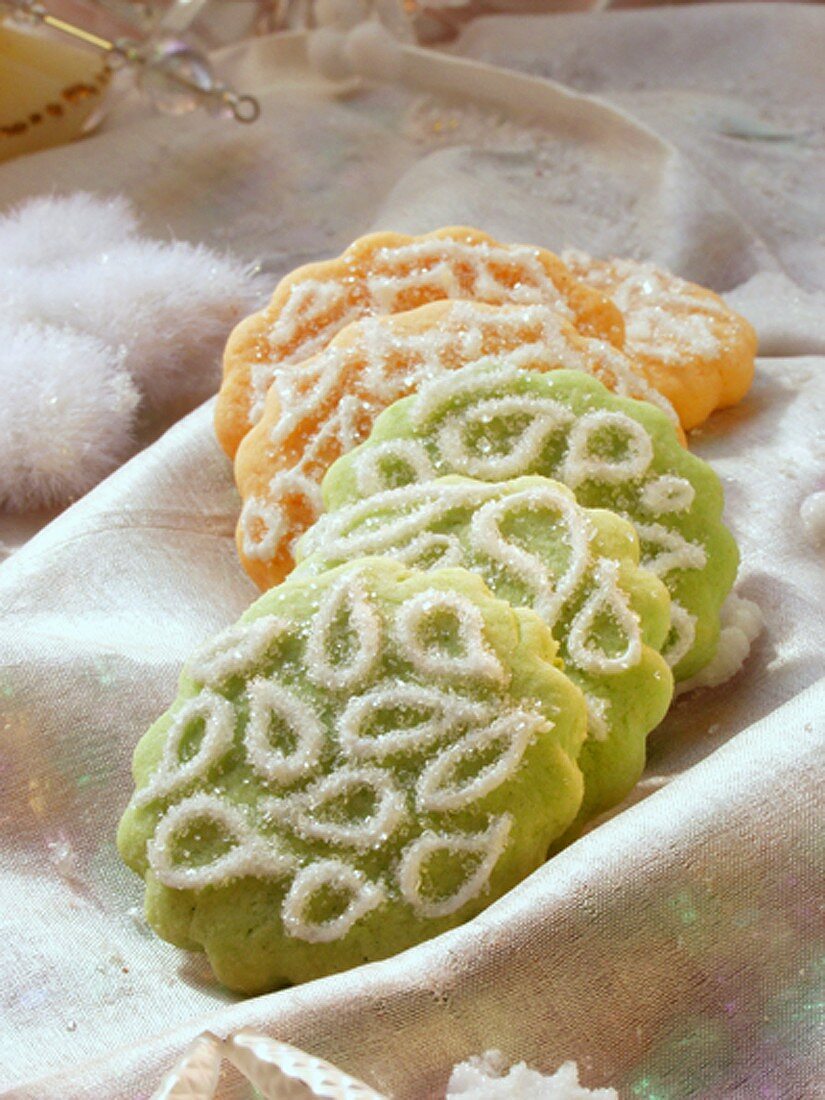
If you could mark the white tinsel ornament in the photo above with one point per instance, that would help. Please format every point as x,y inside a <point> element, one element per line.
<point>169,307</point>
<point>67,414</point>
<point>102,324</point>
<point>58,231</point>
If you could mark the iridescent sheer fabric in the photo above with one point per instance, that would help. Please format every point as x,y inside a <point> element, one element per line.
<point>677,949</point>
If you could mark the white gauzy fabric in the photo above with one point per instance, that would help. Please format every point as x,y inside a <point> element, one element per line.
<point>678,949</point>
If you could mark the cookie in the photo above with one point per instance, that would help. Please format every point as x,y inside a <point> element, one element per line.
<point>534,546</point>
<point>370,757</point>
<point>496,422</point>
<point>389,273</point>
<point>692,347</point>
<point>327,405</point>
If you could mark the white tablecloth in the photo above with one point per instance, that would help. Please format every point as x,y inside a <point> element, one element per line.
<point>677,950</point>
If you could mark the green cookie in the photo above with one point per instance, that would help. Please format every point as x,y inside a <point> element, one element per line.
<point>536,547</point>
<point>493,422</point>
<point>370,757</point>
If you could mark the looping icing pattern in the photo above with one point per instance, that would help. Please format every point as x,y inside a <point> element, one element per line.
<point>582,464</point>
<point>269,702</point>
<point>248,854</point>
<point>440,790</point>
<point>398,522</point>
<point>218,718</point>
<point>683,631</point>
<point>609,600</point>
<point>331,402</point>
<point>487,846</point>
<point>438,712</point>
<point>324,666</point>
<point>235,651</point>
<point>431,657</point>
<point>336,787</point>
<point>493,423</point>
<point>549,593</point>
<point>305,812</point>
<point>665,316</point>
<point>432,269</point>
<point>545,418</point>
<point>331,874</point>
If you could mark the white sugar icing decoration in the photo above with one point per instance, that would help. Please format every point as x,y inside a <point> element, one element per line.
<point>545,417</point>
<point>438,789</point>
<point>667,493</point>
<point>307,310</point>
<point>371,479</point>
<point>218,717</point>
<point>664,315</point>
<point>304,812</point>
<point>235,651</point>
<point>269,700</point>
<point>549,593</point>
<point>665,550</point>
<point>624,380</point>
<point>436,263</point>
<point>597,722</point>
<point>265,522</point>
<point>459,386</point>
<point>385,289</point>
<point>329,397</point>
<point>652,331</point>
<point>249,853</point>
<point>364,896</point>
<point>311,390</point>
<point>430,549</point>
<point>309,300</point>
<point>475,657</point>
<point>580,464</point>
<point>347,597</point>
<point>683,628</point>
<point>346,533</point>
<point>606,599</point>
<point>488,845</point>
<point>535,330</point>
<point>262,525</point>
<point>316,309</point>
<point>443,712</point>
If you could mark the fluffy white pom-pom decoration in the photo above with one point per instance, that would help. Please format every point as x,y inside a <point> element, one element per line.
<point>168,307</point>
<point>96,319</point>
<point>373,52</point>
<point>66,415</point>
<point>55,229</point>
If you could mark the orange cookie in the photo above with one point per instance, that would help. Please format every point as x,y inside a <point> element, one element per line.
<point>389,273</point>
<point>323,408</point>
<point>692,347</point>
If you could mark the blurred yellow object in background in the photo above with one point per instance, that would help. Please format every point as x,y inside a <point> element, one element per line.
<point>50,92</point>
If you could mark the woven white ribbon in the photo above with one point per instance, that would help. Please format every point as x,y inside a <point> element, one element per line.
<point>277,1070</point>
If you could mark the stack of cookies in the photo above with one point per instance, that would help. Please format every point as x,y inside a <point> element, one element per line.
<point>487,555</point>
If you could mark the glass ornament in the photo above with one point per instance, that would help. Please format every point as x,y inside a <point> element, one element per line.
<point>174,77</point>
